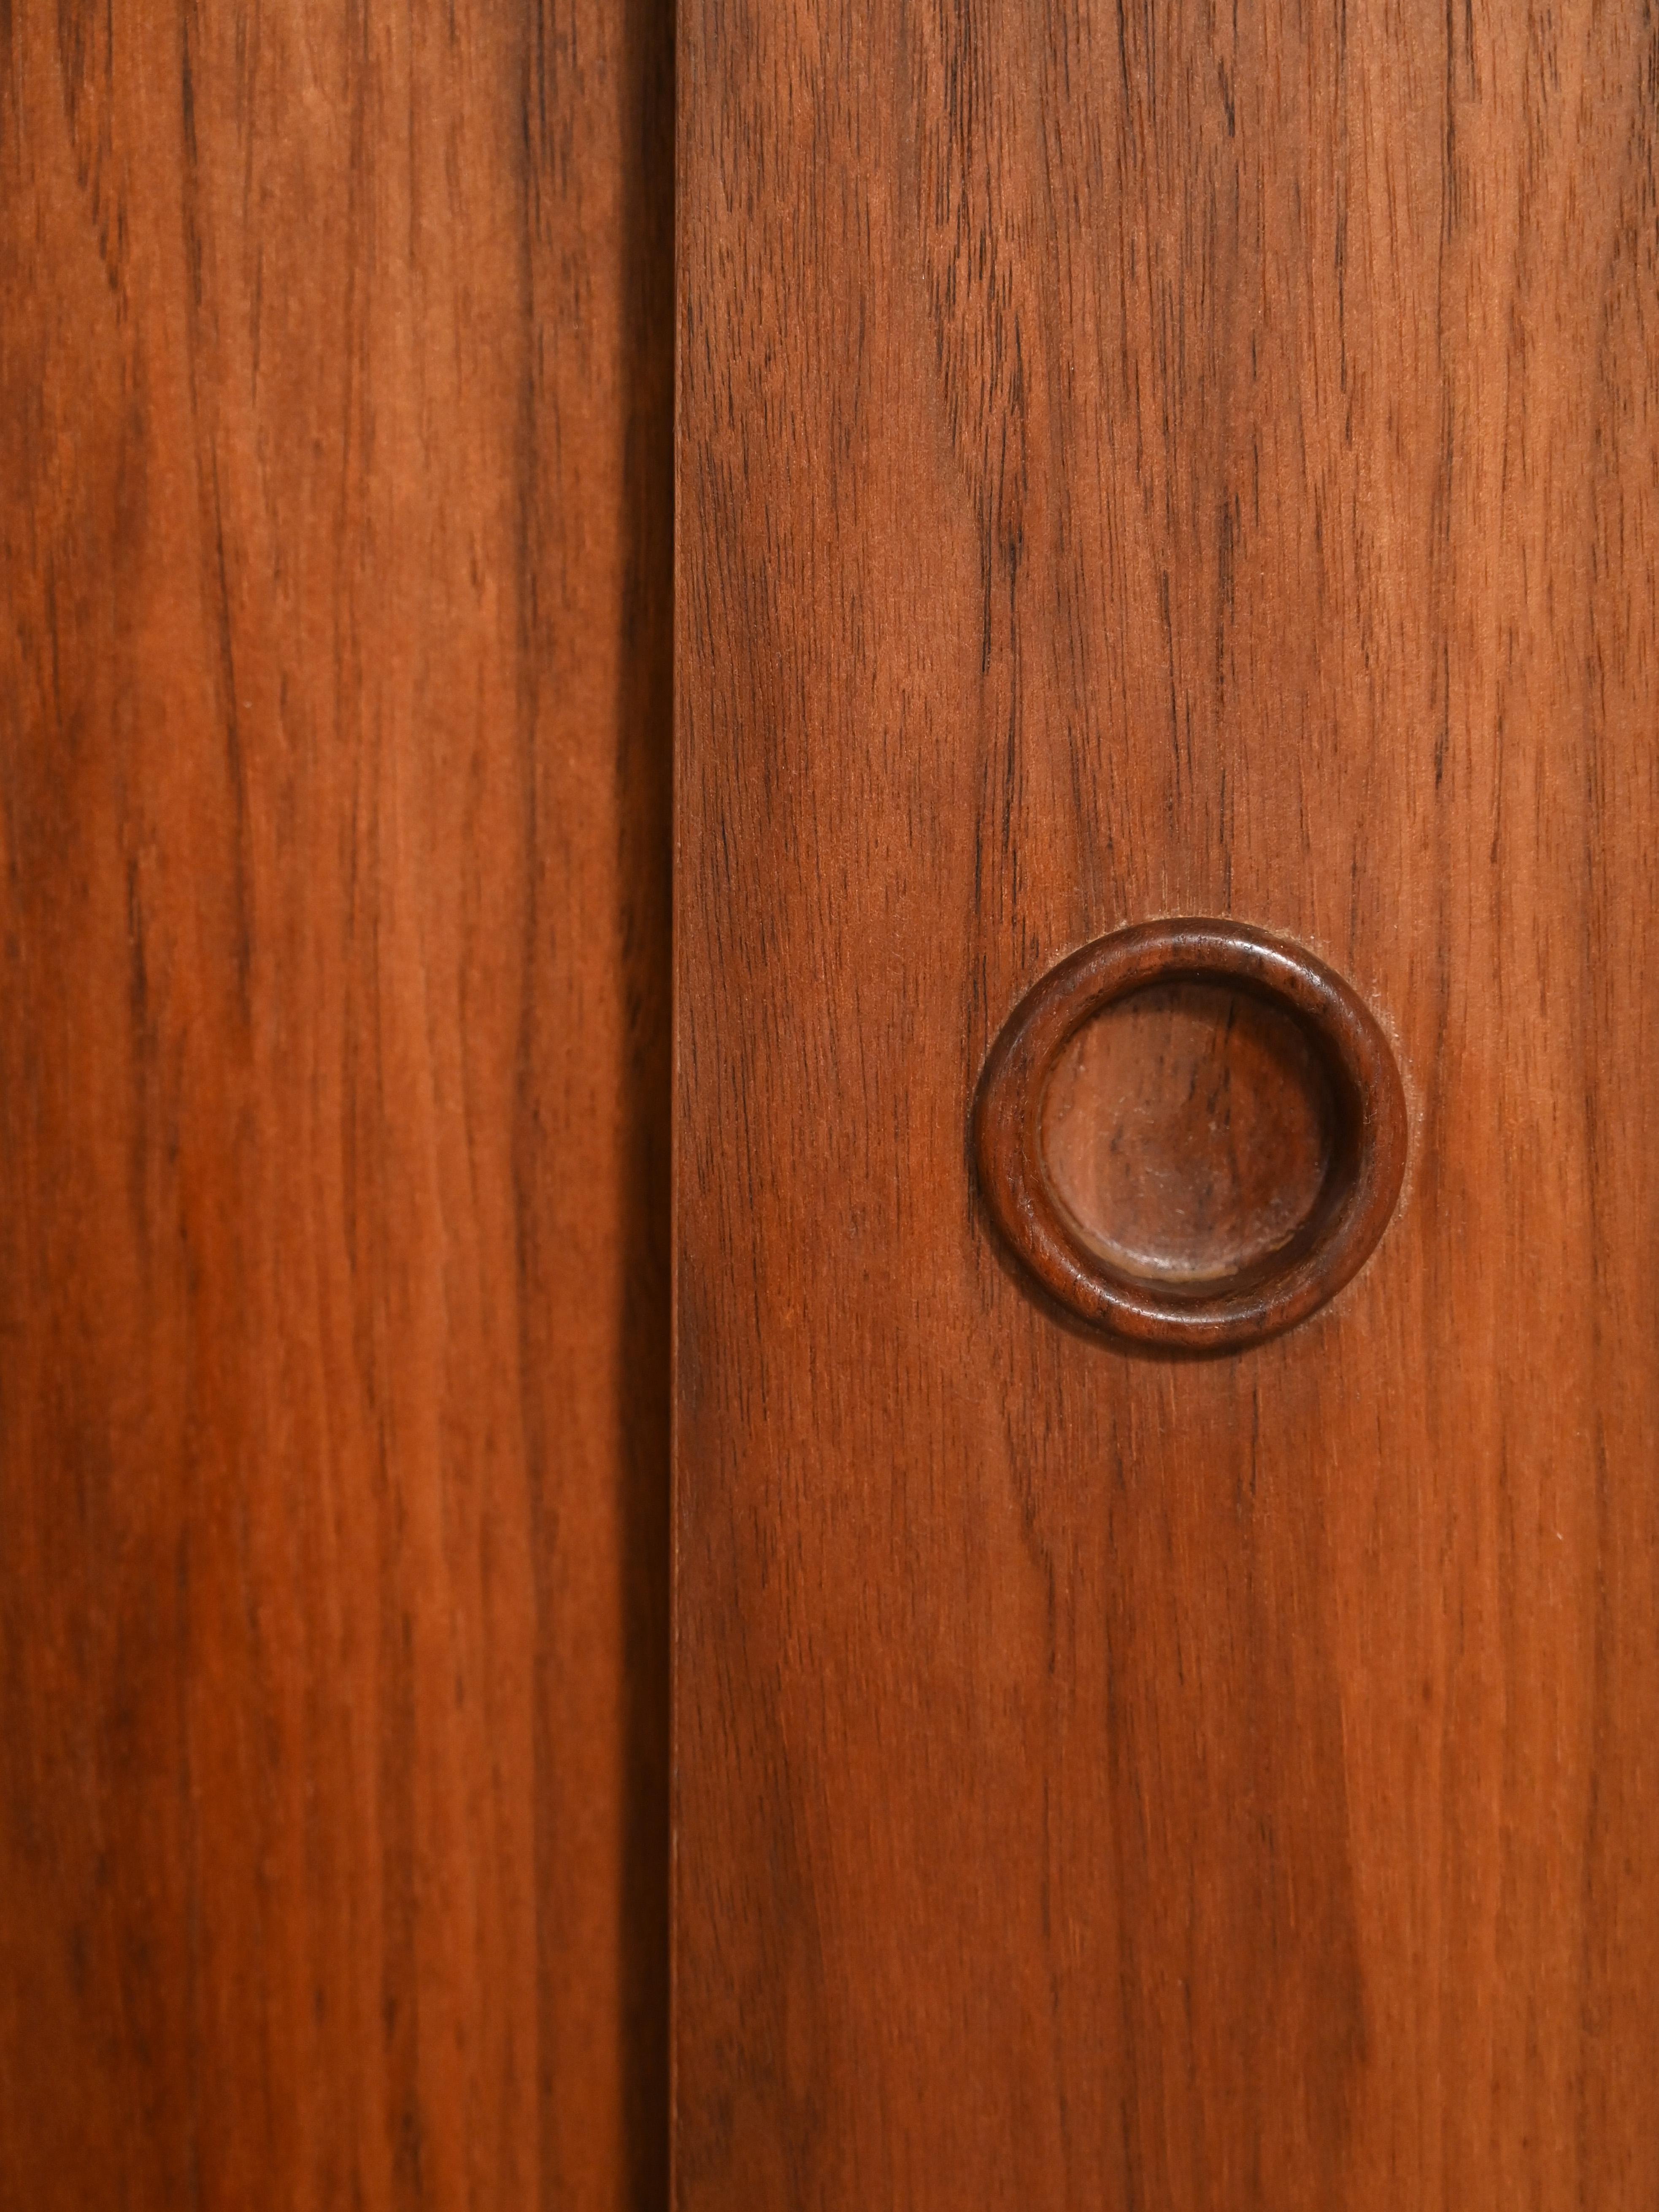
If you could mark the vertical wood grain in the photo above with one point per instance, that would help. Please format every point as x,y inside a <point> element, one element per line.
<point>335,354</point>
<point>1137,462</point>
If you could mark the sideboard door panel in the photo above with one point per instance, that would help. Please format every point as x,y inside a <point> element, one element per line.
<point>1147,464</point>
<point>335,557</point>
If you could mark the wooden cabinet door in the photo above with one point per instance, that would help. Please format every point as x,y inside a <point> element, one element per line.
<point>1139,462</point>
<point>335,373</point>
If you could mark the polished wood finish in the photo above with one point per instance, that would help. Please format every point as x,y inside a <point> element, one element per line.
<point>1156,461</point>
<point>335,361</point>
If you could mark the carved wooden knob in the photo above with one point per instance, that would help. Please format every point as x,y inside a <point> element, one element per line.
<point>1192,1133</point>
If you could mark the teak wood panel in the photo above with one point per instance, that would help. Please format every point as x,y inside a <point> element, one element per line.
<point>335,379</point>
<point>1133,462</point>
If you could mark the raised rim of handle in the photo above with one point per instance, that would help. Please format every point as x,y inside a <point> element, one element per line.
<point>1361,1183</point>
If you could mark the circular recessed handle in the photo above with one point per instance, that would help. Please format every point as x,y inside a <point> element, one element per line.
<point>1192,1133</point>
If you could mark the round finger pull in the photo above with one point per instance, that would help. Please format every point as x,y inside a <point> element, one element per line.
<point>1192,1133</point>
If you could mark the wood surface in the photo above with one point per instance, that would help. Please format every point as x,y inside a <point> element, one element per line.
<point>335,362</point>
<point>1134,462</point>
<point>1188,1131</point>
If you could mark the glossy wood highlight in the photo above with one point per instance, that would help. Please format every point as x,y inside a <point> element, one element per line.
<point>1148,462</point>
<point>335,361</point>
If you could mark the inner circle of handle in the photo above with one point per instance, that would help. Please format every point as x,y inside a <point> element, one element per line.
<point>1191,1133</point>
